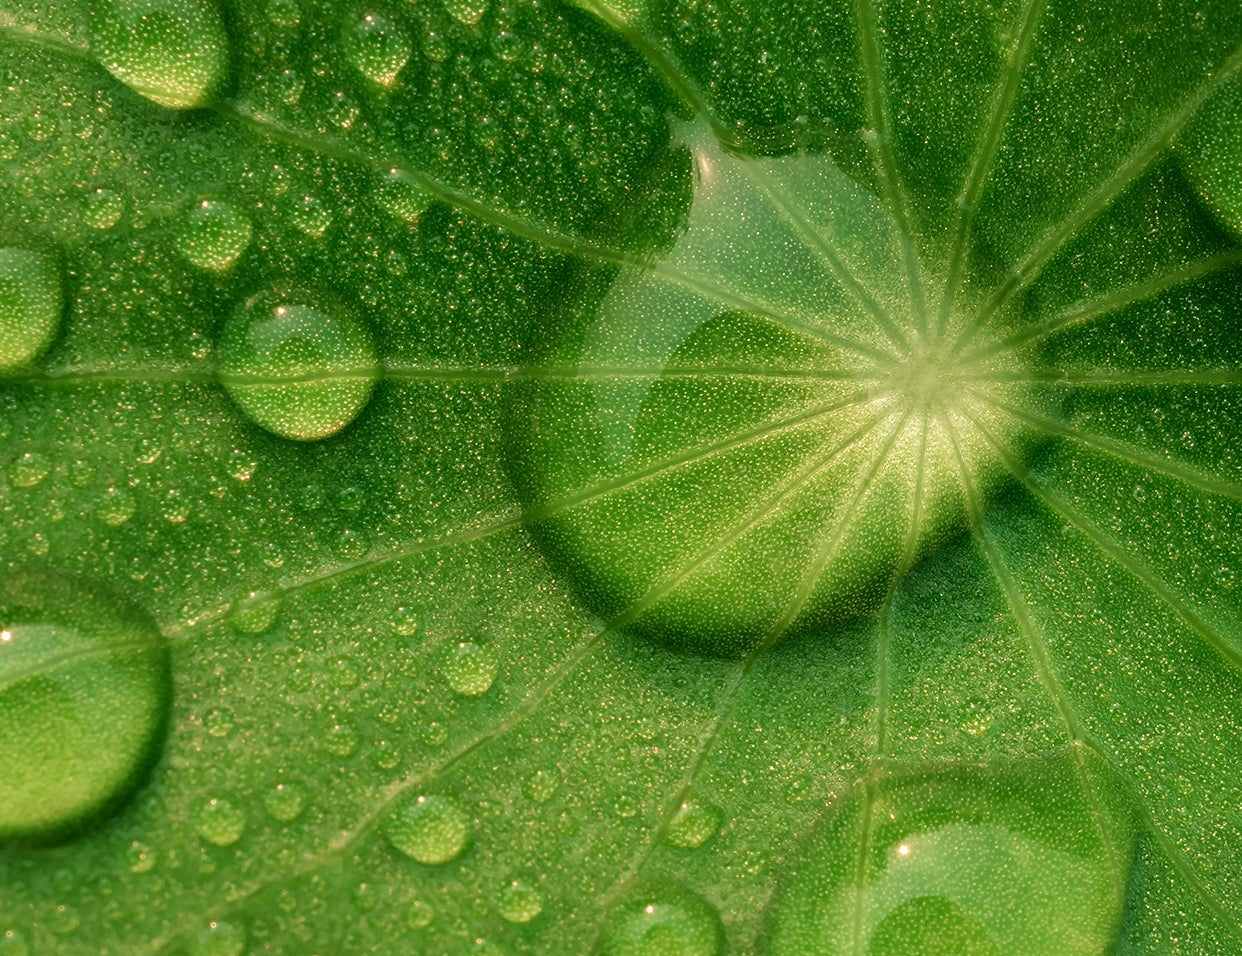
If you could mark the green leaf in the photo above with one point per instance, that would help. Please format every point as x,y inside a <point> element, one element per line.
<point>640,477</point>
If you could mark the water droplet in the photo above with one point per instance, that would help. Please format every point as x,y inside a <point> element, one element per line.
<point>387,755</point>
<point>469,12</point>
<point>1140,493</point>
<point>340,740</point>
<point>470,668</point>
<point>13,943</point>
<point>115,507</point>
<point>342,111</point>
<point>219,822</point>
<point>541,786</point>
<point>255,612</point>
<point>220,939</point>
<point>405,623</point>
<point>285,802</point>
<point>1226,577</point>
<point>31,303</point>
<point>431,829</point>
<point>284,14</point>
<point>84,693</point>
<point>174,52</point>
<point>298,365</point>
<point>662,918</point>
<point>310,216</point>
<point>625,806</point>
<point>139,857</point>
<point>401,195</point>
<point>213,235</point>
<point>378,46</point>
<point>219,722</point>
<point>81,474</point>
<point>520,902</point>
<point>351,545</point>
<point>344,673</point>
<point>420,915</point>
<point>435,734</point>
<point>693,824</point>
<point>103,208</point>
<point>29,469</point>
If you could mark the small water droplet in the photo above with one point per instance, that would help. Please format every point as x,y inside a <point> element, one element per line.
<point>541,786</point>
<point>1140,493</point>
<point>378,46</point>
<point>402,196</point>
<point>470,668</point>
<point>344,673</point>
<point>213,235</point>
<point>29,469</point>
<point>693,824</point>
<point>1226,577</point>
<point>103,208</point>
<point>255,612</point>
<point>285,802</point>
<point>219,822</point>
<point>469,12</point>
<point>626,806</point>
<point>387,755</point>
<point>139,857</point>
<point>284,14</point>
<point>31,303</point>
<point>81,474</point>
<point>340,740</point>
<point>405,622</point>
<point>351,545</point>
<point>297,364</point>
<point>520,902</point>
<point>310,216</point>
<point>115,507</point>
<point>435,734</point>
<point>662,918</point>
<point>431,829</point>
<point>174,52</point>
<point>342,110</point>
<point>420,914</point>
<point>219,722</point>
<point>84,690</point>
<point>220,938</point>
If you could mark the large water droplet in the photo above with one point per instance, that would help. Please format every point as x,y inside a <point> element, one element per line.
<point>431,829</point>
<point>174,52</point>
<point>31,303</point>
<point>658,919</point>
<point>378,46</point>
<point>470,668</point>
<point>299,365</point>
<point>213,235</point>
<point>84,693</point>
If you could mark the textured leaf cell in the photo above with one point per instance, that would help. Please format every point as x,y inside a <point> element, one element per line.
<point>662,477</point>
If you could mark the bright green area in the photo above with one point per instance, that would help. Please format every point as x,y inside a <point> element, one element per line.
<point>84,693</point>
<point>604,262</point>
<point>297,363</point>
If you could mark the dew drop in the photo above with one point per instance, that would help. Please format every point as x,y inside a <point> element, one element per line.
<point>213,235</point>
<point>625,806</point>
<point>401,196</point>
<point>219,722</point>
<point>405,622</point>
<point>420,915</point>
<point>541,786</point>
<point>31,303</point>
<point>351,545</point>
<point>285,802</point>
<point>13,943</point>
<point>139,857</point>
<point>219,822</point>
<point>298,365</point>
<point>340,740</point>
<point>469,12</point>
<point>310,216</point>
<point>470,668</point>
<point>115,507</point>
<point>174,52</point>
<point>29,469</point>
<point>103,208</point>
<point>435,734</point>
<point>520,902</point>
<point>430,829</point>
<point>220,939</point>
<point>377,45</point>
<point>255,612</point>
<point>692,825</point>
<point>1226,578</point>
<point>284,14</point>
<point>662,918</point>
<point>387,755</point>
<point>84,694</point>
<point>1140,493</point>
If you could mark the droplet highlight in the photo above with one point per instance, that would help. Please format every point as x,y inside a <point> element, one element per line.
<point>378,45</point>
<point>213,235</point>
